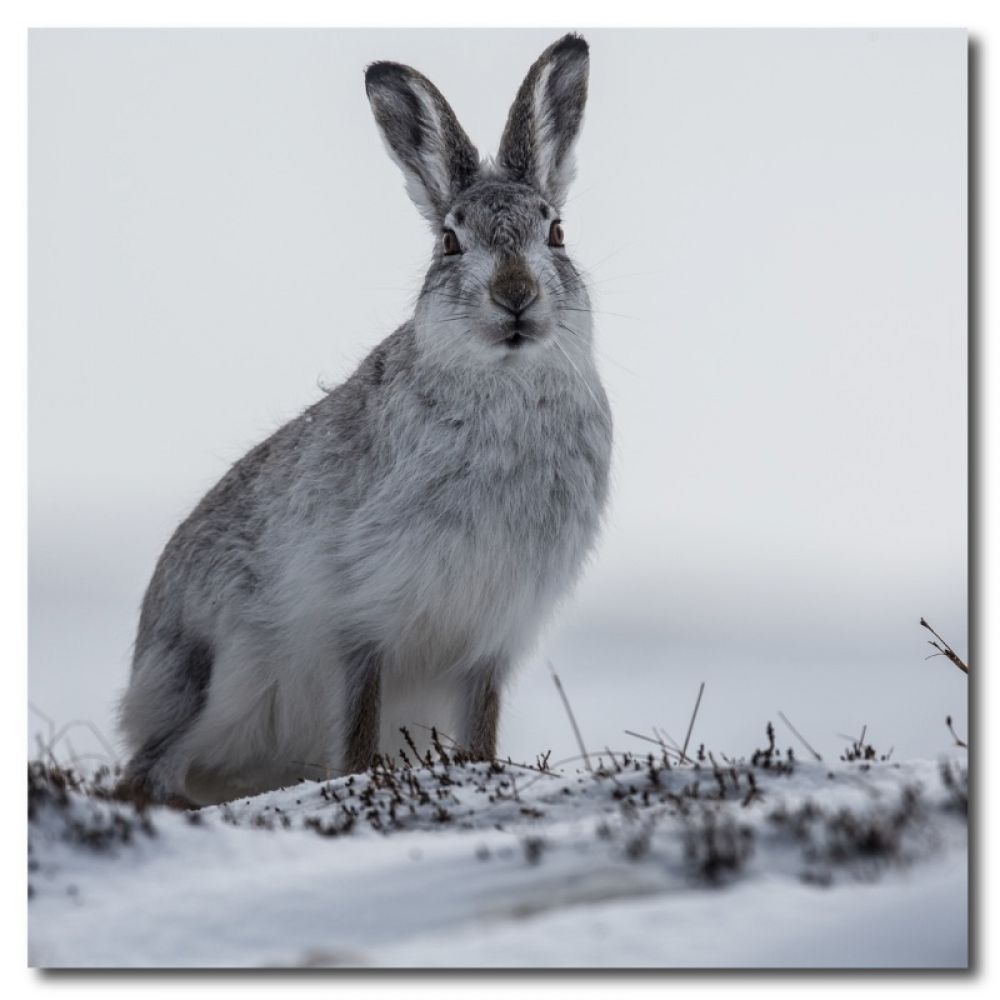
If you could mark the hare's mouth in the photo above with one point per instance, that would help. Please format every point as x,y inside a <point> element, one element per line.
<point>520,333</point>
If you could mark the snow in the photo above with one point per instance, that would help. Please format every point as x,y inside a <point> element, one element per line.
<point>855,864</point>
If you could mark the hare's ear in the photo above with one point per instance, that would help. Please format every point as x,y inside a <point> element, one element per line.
<point>422,135</point>
<point>545,118</point>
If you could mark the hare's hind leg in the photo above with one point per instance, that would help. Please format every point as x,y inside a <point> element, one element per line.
<point>480,710</point>
<point>155,774</point>
<point>363,675</point>
<point>167,693</point>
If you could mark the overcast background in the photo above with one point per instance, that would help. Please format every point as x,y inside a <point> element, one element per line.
<point>774,222</point>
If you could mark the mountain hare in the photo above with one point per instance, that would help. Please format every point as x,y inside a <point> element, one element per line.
<point>388,555</point>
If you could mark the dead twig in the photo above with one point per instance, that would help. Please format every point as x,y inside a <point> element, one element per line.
<point>665,738</point>
<point>958,740</point>
<point>694,715</point>
<point>60,735</point>
<point>657,742</point>
<point>801,738</point>
<point>506,762</point>
<point>943,649</point>
<point>572,718</point>
<point>560,763</point>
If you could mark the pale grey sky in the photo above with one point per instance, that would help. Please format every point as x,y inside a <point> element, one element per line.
<point>775,225</point>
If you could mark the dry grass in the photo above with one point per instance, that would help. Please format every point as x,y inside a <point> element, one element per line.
<point>943,649</point>
<point>646,804</point>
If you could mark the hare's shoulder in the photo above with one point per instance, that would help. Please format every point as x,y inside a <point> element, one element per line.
<point>350,408</point>
<point>227,522</point>
<point>334,432</point>
<point>318,460</point>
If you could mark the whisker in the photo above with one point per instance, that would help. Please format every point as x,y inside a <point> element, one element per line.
<point>614,253</point>
<point>585,383</point>
<point>600,312</point>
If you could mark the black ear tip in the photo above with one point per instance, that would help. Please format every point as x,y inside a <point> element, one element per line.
<point>383,74</point>
<point>571,45</point>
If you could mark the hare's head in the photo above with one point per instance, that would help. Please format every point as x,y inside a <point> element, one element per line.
<point>501,284</point>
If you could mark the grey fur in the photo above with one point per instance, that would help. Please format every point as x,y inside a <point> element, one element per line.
<point>545,119</point>
<point>422,135</point>
<point>363,705</point>
<point>388,555</point>
<point>478,725</point>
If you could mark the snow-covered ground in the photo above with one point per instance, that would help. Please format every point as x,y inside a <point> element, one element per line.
<point>765,862</point>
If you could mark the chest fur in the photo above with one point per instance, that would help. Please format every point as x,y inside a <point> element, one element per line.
<point>492,501</point>
<point>522,464</point>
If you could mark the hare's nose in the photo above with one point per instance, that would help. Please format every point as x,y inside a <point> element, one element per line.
<point>513,287</point>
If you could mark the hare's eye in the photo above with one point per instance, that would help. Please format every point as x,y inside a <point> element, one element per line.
<point>449,243</point>
<point>557,238</point>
